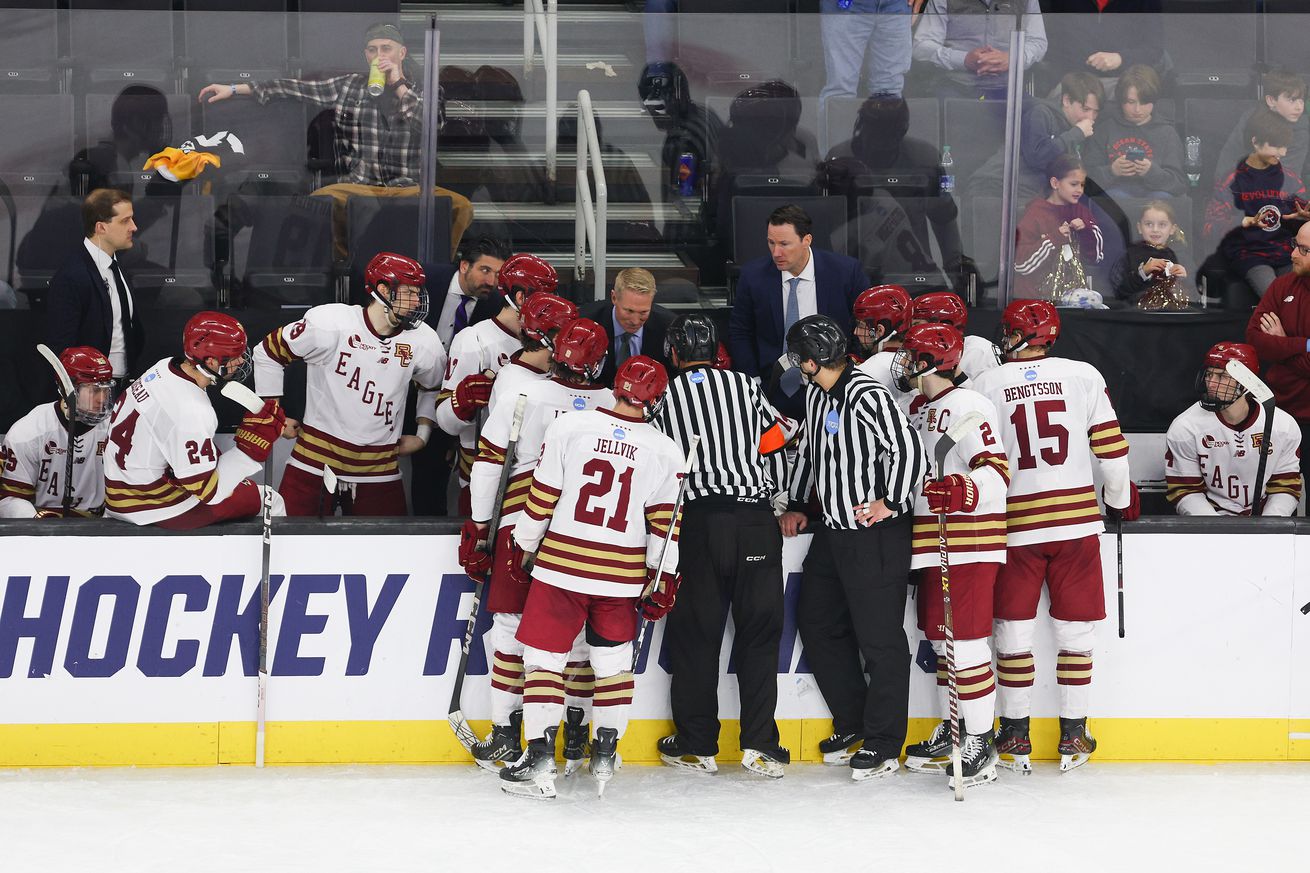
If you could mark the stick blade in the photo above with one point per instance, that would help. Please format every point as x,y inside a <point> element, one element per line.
<point>1253,384</point>
<point>957,432</point>
<point>463,731</point>
<point>242,396</point>
<point>329,480</point>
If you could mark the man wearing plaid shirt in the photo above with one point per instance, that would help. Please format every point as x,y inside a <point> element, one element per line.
<point>377,138</point>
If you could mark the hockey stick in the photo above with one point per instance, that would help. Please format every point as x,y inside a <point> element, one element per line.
<point>943,447</point>
<point>1261,394</point>
<point>664,549</point>
<point>243,396</point>
<point>455,716</point>
<point>70,407</point>
<point>1119,547</point>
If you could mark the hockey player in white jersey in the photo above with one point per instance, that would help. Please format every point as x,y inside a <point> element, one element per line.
<point>600,503</point>
<point>944,307</point>
<point>882,316</point>
<point>971,493</point>
<point>578,357</point>
<point>1213,449</point>
<point>161,466</point>
<point>360,361</point>
<point>479,351</point>
<point>1055,418</point>
<point>34,461</point>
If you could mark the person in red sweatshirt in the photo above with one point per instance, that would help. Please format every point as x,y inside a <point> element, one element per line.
<point>1052,221</point>
<point>1280,331</point>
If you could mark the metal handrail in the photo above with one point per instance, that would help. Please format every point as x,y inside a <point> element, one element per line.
<point>590,217</point>
<point>541,19</point>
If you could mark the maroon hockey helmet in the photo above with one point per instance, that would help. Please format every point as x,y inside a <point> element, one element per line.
<point>885,305</point>
<point>85,364</point>
<point>928,348</point>
<point>641,381</point>
<point>1218,389</point>
<point>527,273</point>
<point>217,335</point>
<point>1035,321</point>
<point>93,383</point>
<point>580,347</point>
<point>392,271</point>
<point>544,314</point>
<point>941,307</point>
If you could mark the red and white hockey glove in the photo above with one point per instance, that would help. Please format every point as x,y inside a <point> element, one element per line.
<point>953,493</point>
<point>259,430</point>
<point>663,594</point>
<point>520,565</point>
<point>473,555</point>
<point>470,395</point>
<point>1132,511</point>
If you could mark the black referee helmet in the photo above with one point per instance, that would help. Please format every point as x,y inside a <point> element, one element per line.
<point>694,337</point>
<point>816,338</point>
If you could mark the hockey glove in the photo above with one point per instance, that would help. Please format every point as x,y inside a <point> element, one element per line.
<point>473,555</point>
<point>953,493</point>
<point>259,430</point>
<point>663,593</point>
<point>520,565</point>
<point>471,395</point>
<point>1132,511</point>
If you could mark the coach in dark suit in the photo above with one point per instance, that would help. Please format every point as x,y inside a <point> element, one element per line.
<point>633,321</point>
<point>90,303</point>
<point>794,280</point>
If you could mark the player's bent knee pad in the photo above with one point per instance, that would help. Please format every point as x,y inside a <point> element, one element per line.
<point>969,653</point>
<point>611,660</point>
<point>1075,636</point>
<point>504,627</point>
<point>1014,636</point>
<point>539,659</point>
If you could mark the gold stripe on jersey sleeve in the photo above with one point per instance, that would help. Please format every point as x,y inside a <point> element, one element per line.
<point>997,462</point>
<point>490,453</point>
<point>516,495</point>
<point>276,346</point>
<point>541,500</point>
<point>1179,487</point>
<point>466,458</point>
<point>202,489</point>
<point>14,488</point>
<point>1107,440</point>
<point>1284,483</point>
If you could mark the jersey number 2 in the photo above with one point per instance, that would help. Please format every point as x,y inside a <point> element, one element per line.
<point>585,513</point>
<point>1046,430</point>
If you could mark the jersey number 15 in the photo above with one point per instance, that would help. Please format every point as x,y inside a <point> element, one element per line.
<point>1045,430</point>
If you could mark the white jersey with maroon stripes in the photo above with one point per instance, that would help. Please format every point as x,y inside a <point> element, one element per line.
<point>161,460</point>
<point>548,398</point>
<point>485,346</point>
<point>879,366</point>
<point>978,536</point>
<point>600,504</point>
<point>979,356</point>
<point>356,386</point>
<point>1210,465</point>
<point>1055,415</point>
<point>34,459</point>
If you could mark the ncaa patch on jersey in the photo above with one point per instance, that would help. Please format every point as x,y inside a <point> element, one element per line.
<point>831,421</point>
<point>1030,375</point>
<point>579,403</point>
<point>696,377</point>
<point>620,433</point>
<point>150,377</point>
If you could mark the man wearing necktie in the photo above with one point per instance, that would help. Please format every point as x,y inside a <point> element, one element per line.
<point>90,301</point>
<point>634,322</point>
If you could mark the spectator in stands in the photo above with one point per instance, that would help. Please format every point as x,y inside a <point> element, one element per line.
<point>657,84</point>
<point>1048,224</point>
<point>1134,153</point>
<point>636,325</point>
<point>881,159</point>
<point>968,44</point>
<point>1050,129</point>
<point>378,139</point>
<point>853,30</point>
<point>1280,331</point>
<point>775,291</point>
<point>1151,265</point>
<point>1105,37</point>
<point>1251,208</point>
<point>90,303</point>
<point>1285,95</point>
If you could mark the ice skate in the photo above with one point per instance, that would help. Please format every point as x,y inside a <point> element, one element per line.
<point>533,774</point>
<point>1076,744</point>
<point>838,749</point>
<point>933,754</point>
<point>978,760</point>
<point>674,755</point>
<point>867,765</point>
<point>1012,740</point>
<point>577,735</point>
<point>604,757</point>
<point>769,763</point>
<point>501,746</point>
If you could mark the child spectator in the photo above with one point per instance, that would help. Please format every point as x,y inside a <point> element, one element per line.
<point>1251,207</point>
<point>1052,221</point>
<point>1134,153</point>
<point>1139,273</point>
<point>1284,94</point>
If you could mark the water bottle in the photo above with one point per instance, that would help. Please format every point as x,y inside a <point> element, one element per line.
<point>1193,160</point>
<point>377,82</point>
<point>948,172</point>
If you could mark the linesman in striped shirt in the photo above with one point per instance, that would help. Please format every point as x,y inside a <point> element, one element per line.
<point>732,554</point>
<point>866,463</point>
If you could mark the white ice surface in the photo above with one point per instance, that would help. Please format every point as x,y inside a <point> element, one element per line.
<point>1103,817</point>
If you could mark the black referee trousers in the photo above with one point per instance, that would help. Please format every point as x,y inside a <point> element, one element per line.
<point>852,605</point>
<point>730,556</point>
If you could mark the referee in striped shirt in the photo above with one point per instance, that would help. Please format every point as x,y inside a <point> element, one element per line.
<point>865,461</point>
<point>731,551</point>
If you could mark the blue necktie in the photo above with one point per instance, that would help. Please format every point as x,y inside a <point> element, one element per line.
<point>793,311</point>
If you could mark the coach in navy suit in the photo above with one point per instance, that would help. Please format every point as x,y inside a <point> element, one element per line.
<point>794,280</point>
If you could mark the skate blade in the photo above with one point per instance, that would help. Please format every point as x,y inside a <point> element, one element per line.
<point>890,766</point>
<point>982,777</point>
<point>754,762</point>
<point>530,790</point>
<point>1074,761</point>
<point>691,763</point>
<point>842,758</point>
<point>927,765</point>
<point>1017,763</point>
<point>491,766</point>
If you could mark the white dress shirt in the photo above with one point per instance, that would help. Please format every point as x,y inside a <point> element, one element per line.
<point>806,295</point>
<point>117,342</point>
<point>449,306</point>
